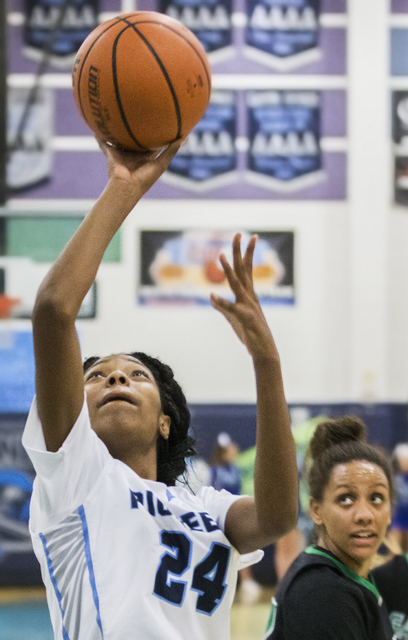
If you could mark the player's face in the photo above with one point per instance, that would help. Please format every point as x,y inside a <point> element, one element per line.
<point>354,514</point>
<point>124,405</point>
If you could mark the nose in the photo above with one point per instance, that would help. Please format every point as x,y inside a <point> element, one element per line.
<point>117,377</point>
<point>363,512</point>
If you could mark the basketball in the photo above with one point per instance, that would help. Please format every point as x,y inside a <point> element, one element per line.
<point>141,80</point>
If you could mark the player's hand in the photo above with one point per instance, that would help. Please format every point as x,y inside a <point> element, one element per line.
<point>245,314</point>
<point>138,169</point>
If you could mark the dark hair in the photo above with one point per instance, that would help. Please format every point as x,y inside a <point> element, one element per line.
<point>340,441</point>
<point>173,452</point>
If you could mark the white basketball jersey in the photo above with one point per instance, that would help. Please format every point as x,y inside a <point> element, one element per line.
<point>124,558</point>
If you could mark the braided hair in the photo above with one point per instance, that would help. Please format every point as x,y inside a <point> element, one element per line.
<point>173,452</point>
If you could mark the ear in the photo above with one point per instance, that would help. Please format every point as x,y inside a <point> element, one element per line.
<point>315,511</point>
<point>164,426</point>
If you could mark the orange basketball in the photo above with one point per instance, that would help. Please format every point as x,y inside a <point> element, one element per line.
<point>141,80</point>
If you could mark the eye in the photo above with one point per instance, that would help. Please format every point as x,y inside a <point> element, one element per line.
<point>140,372</point>
<point>94,374</point>
<point>377,498</point>
<point>345,499</point>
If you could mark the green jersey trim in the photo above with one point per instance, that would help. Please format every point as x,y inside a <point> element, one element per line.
<point>272,619</point>
<point>347,572</point>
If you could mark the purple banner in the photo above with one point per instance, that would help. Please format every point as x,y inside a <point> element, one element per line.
<point>399,6</point>
<point>55,29</point>
<point>215,161</point>
<point>209,20</point>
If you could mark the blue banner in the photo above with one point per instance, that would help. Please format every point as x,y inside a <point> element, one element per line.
<point>209,20</point>
<point>284,134</point>
<point>57,28</point>
<point>16,371</point>
<point>283,29</point>
<point>210,149</point>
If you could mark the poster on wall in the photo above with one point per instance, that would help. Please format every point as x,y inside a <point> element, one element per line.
<point>16,370</point>
<point>209,20</point>
<point>55,30</point>
<point>182,267</point>
<point>400,139</point>
<point>20,278</point>
<point>282,34</point>
<point>284,139</point>
<point>264,36</point>
<point>399,6</point>
<point>18,564</point>
<point>218,161</point>
<point>209,158</point>
<point>30,118</point>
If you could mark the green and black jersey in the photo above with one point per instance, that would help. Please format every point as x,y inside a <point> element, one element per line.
<point>322,599</point>
<point>391,580</point>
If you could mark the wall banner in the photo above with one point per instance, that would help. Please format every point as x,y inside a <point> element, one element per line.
<point>20,278</point>
<point>183,267</point>
<point>209,20</point>
<point>209,158</point>
<point>57,28</point>
<point>284,139</point>
<point>18,564</point>
<point>16,371</point>
<point>400,138</point>
<point>283,33</point>
<point>29,136</point>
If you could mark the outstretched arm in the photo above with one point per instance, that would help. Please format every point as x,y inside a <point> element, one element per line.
<point>59,377</point>
<point>253,523</point>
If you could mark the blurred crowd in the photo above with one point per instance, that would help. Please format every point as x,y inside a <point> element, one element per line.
<point>233,470</point>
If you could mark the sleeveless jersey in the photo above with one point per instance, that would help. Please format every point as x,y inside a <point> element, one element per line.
<point>125,558</point>
<point>322,599</point>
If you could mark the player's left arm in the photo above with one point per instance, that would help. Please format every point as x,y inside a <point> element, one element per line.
<point>253,523</point>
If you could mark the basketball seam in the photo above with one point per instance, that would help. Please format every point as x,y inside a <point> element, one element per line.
<point>164,72</point>
<point>177,33</point>
<point>116,86</point>
<point>82,67</point>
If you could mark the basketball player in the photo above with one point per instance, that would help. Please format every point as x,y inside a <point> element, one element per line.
<point>328,592</point>
<point>124,553</point>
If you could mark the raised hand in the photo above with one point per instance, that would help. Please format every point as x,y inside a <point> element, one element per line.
<point>245,314</point>
<point>138,169</point>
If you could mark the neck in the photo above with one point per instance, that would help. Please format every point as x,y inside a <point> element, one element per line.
<point>361,568</point>
<point>144,465</point>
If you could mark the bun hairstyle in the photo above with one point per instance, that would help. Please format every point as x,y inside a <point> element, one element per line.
<point>340,441</point>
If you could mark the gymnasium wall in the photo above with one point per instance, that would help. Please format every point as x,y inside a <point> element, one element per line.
<point>339,314</point>
<point>342,336</point>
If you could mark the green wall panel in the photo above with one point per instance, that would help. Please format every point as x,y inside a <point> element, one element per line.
<point>43,238</point>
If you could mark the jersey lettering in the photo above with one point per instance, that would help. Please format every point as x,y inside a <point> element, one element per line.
<point>201,521</point>
<point>175,563</point>
<point>208,577</point>
<point>399,623</point>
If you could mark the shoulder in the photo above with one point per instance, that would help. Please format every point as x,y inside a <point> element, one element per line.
<point>321,604</point>
<point>392,569</point>
<point>391,580</point>
<point>320,585</point>
<point>321,581</point>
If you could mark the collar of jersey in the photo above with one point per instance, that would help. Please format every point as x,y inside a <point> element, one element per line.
<point>347,572</point>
